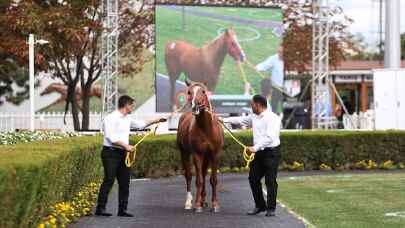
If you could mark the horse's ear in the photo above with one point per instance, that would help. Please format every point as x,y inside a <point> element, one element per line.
<point>205,82</point>
<point>188,83</point>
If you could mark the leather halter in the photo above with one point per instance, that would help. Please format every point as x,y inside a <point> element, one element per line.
<point>206,103</point>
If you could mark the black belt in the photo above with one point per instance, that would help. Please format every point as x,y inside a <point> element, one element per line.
<point>270,148</point>
<point>112,148</point>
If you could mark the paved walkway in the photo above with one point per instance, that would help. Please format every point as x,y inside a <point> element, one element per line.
<point>159,203</point>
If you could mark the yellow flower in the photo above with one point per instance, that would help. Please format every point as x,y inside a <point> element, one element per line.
<point>41,225</point>
<point>52,220</point>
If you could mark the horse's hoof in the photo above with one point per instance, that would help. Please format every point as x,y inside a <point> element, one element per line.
<point>198,210</point>
<point>188,207</point>
<point>215,210</point>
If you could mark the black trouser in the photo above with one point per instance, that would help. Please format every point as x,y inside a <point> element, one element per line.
<point>265,164</point>
<point>114,167</point>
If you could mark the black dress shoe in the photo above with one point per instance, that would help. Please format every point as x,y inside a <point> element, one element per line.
<point>256,211</point>
<point>270,213</point>
<point>101,212</point>
<point>125,214</point>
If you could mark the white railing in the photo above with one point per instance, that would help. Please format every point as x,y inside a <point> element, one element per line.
<point>48,120</point>
<point>54,120</point>
<point>326,122</point>
<point>363,120</point>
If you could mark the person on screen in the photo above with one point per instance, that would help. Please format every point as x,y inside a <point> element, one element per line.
<point>276,64</point>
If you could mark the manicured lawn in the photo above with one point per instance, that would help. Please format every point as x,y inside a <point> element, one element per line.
<point>201,30</point>
<point>358,200</point>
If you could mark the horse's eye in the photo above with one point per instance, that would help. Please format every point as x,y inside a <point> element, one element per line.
<point>203,91</point>
<point>189,93</point>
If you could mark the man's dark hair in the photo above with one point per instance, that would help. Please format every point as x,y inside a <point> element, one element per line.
<point>124,100</point>
<point>259,99</point>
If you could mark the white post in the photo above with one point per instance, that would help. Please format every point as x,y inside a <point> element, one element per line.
<point>31,43</point>
<point>392,55</point>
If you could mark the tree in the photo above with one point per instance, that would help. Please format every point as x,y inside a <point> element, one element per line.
<point>360,50</point>
<point>13,60</point>
<point>73,29</point>
<point>298,18</point>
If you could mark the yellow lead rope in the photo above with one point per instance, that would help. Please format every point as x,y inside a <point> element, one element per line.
<point>130,155</point>
<point>244,76</point>
<point>248,158</point>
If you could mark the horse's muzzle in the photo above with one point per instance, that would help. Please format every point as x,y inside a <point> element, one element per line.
<point>197,109</point>
<point>242,57</point>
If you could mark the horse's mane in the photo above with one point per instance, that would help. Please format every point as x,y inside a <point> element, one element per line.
<point>200,84</point>
<point>216,39</point>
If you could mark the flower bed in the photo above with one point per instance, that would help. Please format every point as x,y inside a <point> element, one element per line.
<point>28,136</point>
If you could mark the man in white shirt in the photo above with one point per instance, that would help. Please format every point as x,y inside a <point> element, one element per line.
<point>266,146</point>
<point>274,85</point>
<point>116,129</point>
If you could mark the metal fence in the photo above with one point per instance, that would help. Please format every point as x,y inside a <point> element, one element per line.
<point>49,120</point>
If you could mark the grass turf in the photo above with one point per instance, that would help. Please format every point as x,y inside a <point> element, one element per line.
<point>358,200</point>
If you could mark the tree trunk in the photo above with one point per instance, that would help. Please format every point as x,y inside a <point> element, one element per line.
<point>71,99</point>
<point>75,112</point>
<point>86,107</point>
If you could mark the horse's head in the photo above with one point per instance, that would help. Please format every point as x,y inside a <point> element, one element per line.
<point>197,96</point>
<point>232,45</point>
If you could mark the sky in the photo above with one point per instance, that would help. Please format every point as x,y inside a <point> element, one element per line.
<point>365,14</point>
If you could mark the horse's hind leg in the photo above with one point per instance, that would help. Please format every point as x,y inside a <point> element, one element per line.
<point>214,183</point>
<point>187,174</point>
<point>204,193</point>
<point>172,66</point>
<point>173,92</point>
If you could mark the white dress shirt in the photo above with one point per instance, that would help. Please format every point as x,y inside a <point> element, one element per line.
<point>266,128</point>
<point>276,64</point>
<point>116,128</point>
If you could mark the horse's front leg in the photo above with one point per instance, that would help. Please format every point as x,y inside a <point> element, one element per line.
<point>198,161</point>
<point>214,183</point>
<point>188,175</point>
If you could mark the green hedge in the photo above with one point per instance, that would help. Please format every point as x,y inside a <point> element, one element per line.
<point>35,175</point>
<point>158,155</point>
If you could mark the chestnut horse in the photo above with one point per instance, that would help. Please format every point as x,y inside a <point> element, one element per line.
<point>200,64</point>
<point>201,137</point>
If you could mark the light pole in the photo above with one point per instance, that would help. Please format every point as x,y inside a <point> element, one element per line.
<point>392,46</point>
<point>31,44</point>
